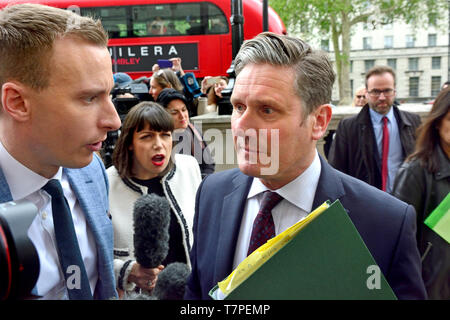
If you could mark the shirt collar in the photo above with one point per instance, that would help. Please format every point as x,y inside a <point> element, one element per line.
<point>21,181</point>
<point>299,191</point>
<point>377,118</point>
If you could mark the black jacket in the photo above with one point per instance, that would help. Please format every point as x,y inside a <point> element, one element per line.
<point>354,148</point>
<point>415,185</point>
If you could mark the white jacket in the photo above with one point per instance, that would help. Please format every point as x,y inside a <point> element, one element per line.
<point>180,186</point>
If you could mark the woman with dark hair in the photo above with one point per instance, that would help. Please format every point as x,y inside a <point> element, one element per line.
<point>424,181</point>
<point>143,163</point>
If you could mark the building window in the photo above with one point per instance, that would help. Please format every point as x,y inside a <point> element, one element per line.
<point>388,42</point>
<point>413,64</point>
<point>432,40</point>
<point>435,86</point>
<point>367,43</point>
<point>410,41</point>
<point>435,62</point>
<point>368,64</point>
<point>325,44</point>
<point>351,66</point>
<point>414,86</point>
<point>392,63</point>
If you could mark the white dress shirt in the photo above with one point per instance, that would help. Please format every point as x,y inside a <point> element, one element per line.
<point>298,196</point>
<point>26,184</point>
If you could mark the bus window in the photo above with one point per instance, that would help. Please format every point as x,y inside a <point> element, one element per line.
<point>161,20</point>
<point>114,19</point>
<point>217,22</point>
<point>197,31</point>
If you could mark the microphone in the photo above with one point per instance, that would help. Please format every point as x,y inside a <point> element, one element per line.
<point>151,217</point>
<point>151,220</point>
<point>171,282</point>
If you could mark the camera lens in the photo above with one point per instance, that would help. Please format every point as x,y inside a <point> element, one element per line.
<point>5,266</point>
<point>19,261</point>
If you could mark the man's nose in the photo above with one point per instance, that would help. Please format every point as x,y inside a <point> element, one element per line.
<point>110,119</point>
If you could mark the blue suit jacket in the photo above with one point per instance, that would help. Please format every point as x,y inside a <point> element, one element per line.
<point>387,226</point>
<point>90,185</point>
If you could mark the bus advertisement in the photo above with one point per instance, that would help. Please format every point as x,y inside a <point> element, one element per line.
<point>143,31</point>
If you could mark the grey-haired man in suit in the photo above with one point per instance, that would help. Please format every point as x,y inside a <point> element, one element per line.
<point>280,109</point>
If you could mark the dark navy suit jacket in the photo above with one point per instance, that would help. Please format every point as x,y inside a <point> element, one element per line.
<point>386,224</point>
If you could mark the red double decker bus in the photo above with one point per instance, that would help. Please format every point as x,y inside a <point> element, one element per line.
<point>143,31</point>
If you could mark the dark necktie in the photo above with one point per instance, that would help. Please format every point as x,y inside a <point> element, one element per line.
<point>263,226</point>
<point>385,154</point>
<point>72,265</point>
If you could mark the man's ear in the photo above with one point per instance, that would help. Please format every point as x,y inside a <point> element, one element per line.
<point>322,117</point>
<point>14,101</point>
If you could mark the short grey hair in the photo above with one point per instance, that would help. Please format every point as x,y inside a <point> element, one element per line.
<point>27,35</point>
<point>313,70</point>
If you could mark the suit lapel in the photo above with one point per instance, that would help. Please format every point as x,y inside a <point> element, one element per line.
<point>329,187</point>
<point>231,217</point>
<point>82,185</point>
<point>87,195</point>
<point>88,186</point>
<point>367,141</point>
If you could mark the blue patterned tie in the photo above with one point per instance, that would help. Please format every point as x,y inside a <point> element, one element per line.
<point>263,226</point>
<point>67,245</point>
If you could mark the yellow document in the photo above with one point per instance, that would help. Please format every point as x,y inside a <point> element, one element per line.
<point>265,252</point>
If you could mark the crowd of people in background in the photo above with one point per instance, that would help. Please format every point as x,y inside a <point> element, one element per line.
<point>392,154</point>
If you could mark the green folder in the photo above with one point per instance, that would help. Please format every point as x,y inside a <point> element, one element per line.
<point>439,219</point>
<point>326,260</point>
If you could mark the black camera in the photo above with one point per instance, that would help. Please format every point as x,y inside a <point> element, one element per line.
<point>19,261</point>
<point>124,97</point>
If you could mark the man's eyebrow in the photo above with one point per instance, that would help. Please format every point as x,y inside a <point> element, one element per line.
<point>92,91</point>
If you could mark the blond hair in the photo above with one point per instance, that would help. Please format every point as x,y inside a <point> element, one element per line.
<point>167,78</point>
<point>27,35</point>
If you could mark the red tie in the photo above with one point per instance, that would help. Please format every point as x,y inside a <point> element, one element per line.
<point>385,153</point>
<point>263,226</point>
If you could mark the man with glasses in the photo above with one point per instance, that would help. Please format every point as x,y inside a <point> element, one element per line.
<point>371,145</point>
